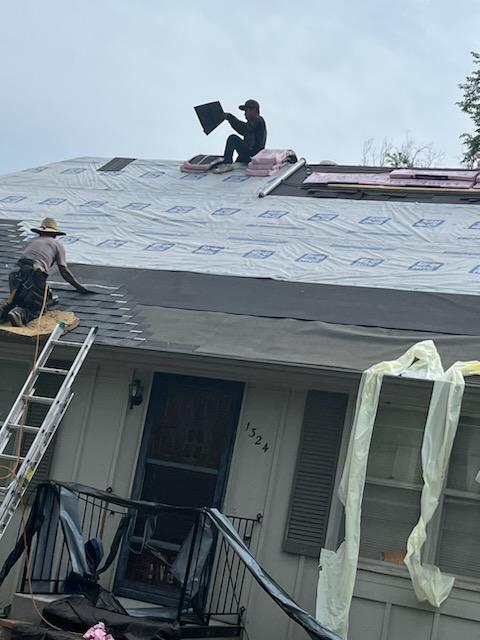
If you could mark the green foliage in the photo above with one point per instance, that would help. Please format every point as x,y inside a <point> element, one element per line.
<point>470,104</point>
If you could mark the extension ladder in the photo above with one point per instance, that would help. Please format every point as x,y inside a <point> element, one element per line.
<point>23,467</point>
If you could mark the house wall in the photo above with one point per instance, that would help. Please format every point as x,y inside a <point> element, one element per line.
<point>98,445</point>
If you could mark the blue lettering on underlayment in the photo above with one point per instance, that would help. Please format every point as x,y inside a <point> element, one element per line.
<point>73,170</point>
<point>271,213</point>
<point>160,246</point>
<point>112,244</point>
<point>180,209</point>
<point>94,203</point>
<point>236,178</point>
<point>51,202</point>
<point>424,265</point>
<point>225,211</point>
<point>193,176</point>
<point>152,174</point>
<point>136,206</point>
<point>323,217</point>
<point>367,262</point>
<point>13,199</point>
<point>428,222</point>
<point>69,240</point>
<point>312,257</point>
<point>208,250</point>
<point>258,254</point>
<point>374,220</point>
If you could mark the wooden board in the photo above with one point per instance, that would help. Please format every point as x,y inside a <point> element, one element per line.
<point>42,327</point>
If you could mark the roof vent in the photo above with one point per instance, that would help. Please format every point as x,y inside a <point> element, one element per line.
<point>116,164</point>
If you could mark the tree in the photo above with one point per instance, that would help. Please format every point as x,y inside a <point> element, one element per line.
<point>408,154</point>
<point>470,104</point>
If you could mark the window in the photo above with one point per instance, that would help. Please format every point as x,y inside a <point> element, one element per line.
<point>391,503</point>
<point>314,480</point>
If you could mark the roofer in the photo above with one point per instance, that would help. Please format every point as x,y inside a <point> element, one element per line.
<point>254,132</point>
<point>28,283</point>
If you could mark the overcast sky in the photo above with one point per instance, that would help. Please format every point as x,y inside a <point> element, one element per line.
<point>121,77</point>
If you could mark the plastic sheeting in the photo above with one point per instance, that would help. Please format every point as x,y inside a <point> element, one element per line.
<point>151,215</point>
<point>440,429</point>
<point>338,569</point>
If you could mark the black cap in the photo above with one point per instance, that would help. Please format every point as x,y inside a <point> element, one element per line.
<point>250,104</point>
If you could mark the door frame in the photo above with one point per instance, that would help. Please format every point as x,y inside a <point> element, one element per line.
<point>122,586</point>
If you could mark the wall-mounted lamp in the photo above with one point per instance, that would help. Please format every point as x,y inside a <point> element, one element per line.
<point>135,393</point>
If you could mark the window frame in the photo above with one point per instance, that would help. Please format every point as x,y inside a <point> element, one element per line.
<point>470,412</point>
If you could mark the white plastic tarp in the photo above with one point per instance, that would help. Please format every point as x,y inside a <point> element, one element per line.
<point>151,215</point>
<point>338,569</point>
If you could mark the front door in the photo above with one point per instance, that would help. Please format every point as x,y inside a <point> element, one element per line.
<point>184,460</point>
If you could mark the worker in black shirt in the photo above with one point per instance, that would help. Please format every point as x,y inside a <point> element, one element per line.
<point>254,132</point>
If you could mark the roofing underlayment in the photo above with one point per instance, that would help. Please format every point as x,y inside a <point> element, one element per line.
<point>182,248</point>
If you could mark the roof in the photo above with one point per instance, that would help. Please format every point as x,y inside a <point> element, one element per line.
<point>295,186</point>
<point>112,309</point>
<point>202,265</point>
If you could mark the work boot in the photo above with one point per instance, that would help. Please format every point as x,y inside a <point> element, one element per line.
<point>223,168</point>
<point>16,317</point>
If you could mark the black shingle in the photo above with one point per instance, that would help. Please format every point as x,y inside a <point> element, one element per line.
<point>112,309</point>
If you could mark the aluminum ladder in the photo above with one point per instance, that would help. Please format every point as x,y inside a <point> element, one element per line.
<point>24,467</point>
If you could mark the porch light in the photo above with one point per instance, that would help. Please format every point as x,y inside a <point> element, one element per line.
<point>135,393</point>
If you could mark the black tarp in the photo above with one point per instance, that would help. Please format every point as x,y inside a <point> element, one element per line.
<point>77,610</point>
<point>210,115</point>
<point>223,526</point>
<point>26,631</point>
<point>78,614</point>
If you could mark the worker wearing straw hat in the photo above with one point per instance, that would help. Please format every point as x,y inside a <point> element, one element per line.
<point>28,282</point>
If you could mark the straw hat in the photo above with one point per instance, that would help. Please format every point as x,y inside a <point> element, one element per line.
<point>49,225</point>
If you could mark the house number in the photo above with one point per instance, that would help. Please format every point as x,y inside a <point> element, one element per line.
<point>257,438</point>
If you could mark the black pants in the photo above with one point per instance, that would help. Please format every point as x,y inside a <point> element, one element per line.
<point>235,143</point>
<point>28,288</point>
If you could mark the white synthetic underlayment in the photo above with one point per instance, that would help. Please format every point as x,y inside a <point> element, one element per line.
<point>153,216</point>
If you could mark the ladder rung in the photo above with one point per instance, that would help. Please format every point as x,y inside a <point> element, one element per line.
<point>23,427</point>
<point>39,399</point>
<point>68,343</point>
<point>8,456</point>
<point>60,372</point>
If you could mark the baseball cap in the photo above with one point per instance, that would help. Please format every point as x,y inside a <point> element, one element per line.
<point>249,104</point>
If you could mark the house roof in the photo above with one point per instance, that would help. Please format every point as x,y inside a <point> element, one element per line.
<point>295,186</point>
<point>112,309</point>
<point>171,255</point>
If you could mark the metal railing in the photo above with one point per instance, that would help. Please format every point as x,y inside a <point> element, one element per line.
<point>210,580</point>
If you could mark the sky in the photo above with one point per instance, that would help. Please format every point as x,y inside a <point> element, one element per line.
<point>121,77</point>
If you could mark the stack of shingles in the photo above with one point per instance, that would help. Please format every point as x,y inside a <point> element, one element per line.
<point>423,178</point>
<point>268,162</point>
<point>200,164</point>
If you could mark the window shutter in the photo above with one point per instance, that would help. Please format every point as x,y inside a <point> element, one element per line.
<point>47,386</point>
<point>315,472</point>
